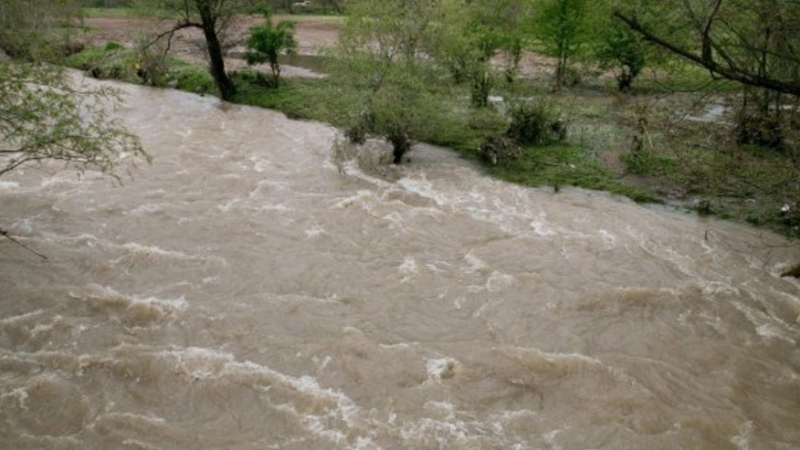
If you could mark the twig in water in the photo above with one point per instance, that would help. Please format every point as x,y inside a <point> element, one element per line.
<point>8,236</point>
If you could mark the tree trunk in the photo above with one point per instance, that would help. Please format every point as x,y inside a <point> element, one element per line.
<point>226,88</point>
<point>400,144</point>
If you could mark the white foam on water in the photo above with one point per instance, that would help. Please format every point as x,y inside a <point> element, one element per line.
<point>9,186</point>
<point>358,199</point>
<point>147,420</point>
<point>766,326</point>
<point>662,252</point>
<point>474,263</point>
<point>607,237</point>
<point>20,395</point>
<point>229,205</point>
<point>276,208</point>
<point>498,282</point>
<point>396,220</point>
<point>550,438</point>
<point>46,327</point>
<point>21,317</point>
<point>742,440</point>
<point>425,189</point>
<point>365,443</point>
<point>260,165</point>
<point>138,309</point>
<point>447,428</point>
<point>440,368</point>
<point>202,364</point>
<point>408,268</point>
<point>59,179</point>
<point>350,168</point>
<point>148,208</point>
<point>540,228</point>
<point>714,288</point>
<point>314,231</point>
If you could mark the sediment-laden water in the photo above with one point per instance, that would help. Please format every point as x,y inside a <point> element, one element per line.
<point>240,293</point>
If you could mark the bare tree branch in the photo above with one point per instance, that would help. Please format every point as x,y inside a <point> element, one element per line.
<point>169,33</point>
<point>705,59</point>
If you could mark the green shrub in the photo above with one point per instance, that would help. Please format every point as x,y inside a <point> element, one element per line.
<point>268,41</point>
<point>500,150</point>
<point>536,123</point>
<point>111,46</point>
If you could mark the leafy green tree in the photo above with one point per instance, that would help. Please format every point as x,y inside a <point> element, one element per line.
<point>268,41</point>
<point>212,17</point>
<point>624,50</point>
<point>43,116</point>
<point>563,26</point>
<point>381,58</point>
<point>469,36</point>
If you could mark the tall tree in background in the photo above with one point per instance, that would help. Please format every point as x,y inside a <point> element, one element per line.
<point>381,56</point>
<point>563,26</point>
<point>470,33</point>
<point>212,17</point>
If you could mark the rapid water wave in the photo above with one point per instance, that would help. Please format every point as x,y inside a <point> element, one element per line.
<point>244,293</point>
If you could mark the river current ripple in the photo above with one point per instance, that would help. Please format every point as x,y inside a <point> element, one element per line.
<point>244,293</point>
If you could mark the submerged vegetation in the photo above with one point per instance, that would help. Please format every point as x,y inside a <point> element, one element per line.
<point>628,97</point>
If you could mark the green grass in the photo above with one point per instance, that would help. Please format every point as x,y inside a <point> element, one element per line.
<point>566,165</point>
<point>553,165</point>
<point>112,61</point>
<point>463,130</point>
<point>745,184</point>
<point>303,98</point>
<point>115,61</point>
<point>190,77</point>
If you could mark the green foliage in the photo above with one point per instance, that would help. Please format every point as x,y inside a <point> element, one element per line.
<point>268,41</point>
<point>112,61</point>
<point>471,33</point>
<point>564,26</point>
<point>116,63</point>
<point>380,56</point>
<point>36,29</point>
<point>151,64</point>
<point>536,123</point>
<point>190,77</point>
<point>623,49</point>
<point>111,46</point>
<point>44,117</point>
<point>562,165</point>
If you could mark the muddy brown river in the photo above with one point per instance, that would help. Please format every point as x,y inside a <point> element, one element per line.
<point>242,293</point>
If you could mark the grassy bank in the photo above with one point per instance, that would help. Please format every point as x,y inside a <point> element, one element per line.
<point>681,162</point>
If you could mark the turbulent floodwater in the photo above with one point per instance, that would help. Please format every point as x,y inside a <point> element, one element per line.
<point>241,293</point>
